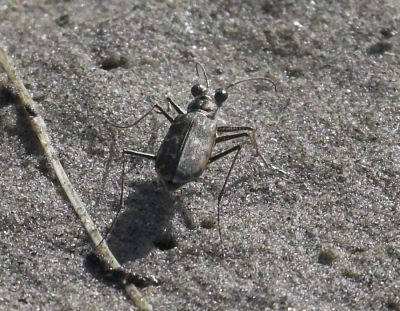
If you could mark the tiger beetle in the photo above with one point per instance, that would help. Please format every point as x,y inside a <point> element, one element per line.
<point>187,148</point>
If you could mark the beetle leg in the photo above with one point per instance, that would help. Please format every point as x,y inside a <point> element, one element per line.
<point>170,119</point>
<point>121,197</point>
<point>131,153</point>
<point>178,109</point>
<point>156,106</point>
<point>230,137</point>
<point>140,154</point>
<point>272,166</point>
<point>225,129</point>
<point>236,148</point>
<point>253,141</point>
<point>222,154</point>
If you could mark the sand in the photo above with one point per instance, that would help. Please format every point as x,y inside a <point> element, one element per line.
<point>324,238</point>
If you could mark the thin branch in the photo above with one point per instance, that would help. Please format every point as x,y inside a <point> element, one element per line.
<point>39,127</point>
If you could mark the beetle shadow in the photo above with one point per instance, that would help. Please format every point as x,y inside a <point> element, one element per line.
<point>145,222</point>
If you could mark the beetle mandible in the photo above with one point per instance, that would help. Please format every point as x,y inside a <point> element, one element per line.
<point>187,148</point>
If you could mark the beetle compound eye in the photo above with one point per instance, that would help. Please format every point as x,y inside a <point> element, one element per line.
<point>220,96</point>
<point>198,89</point>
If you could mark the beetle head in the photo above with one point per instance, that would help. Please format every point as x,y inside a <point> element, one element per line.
<point>205,102</point>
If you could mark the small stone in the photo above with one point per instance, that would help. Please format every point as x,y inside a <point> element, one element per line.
<point>328,256</point>
<point>352,274</point>
<point>114,60</point>
<point>380,47</point>
<point>388,32</point>
<point>63,20</point>
<point>208,223</point>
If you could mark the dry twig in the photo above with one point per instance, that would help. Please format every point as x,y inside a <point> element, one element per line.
<point>39,127</point>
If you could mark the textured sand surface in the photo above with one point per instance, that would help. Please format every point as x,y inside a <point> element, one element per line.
<point>329,240</point>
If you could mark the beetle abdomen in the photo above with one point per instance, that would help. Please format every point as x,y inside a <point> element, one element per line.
<point>185,150</point>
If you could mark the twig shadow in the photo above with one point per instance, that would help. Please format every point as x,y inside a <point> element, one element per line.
<point>22,130</point>
<point>7,97</point>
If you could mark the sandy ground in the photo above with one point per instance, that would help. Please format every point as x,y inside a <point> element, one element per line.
<point>327,238</point>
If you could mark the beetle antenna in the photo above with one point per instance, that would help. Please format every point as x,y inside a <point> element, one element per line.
<point>204,72</point>
<point>251,79</point>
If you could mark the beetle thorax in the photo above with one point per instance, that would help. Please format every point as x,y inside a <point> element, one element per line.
<point>203,104</point>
